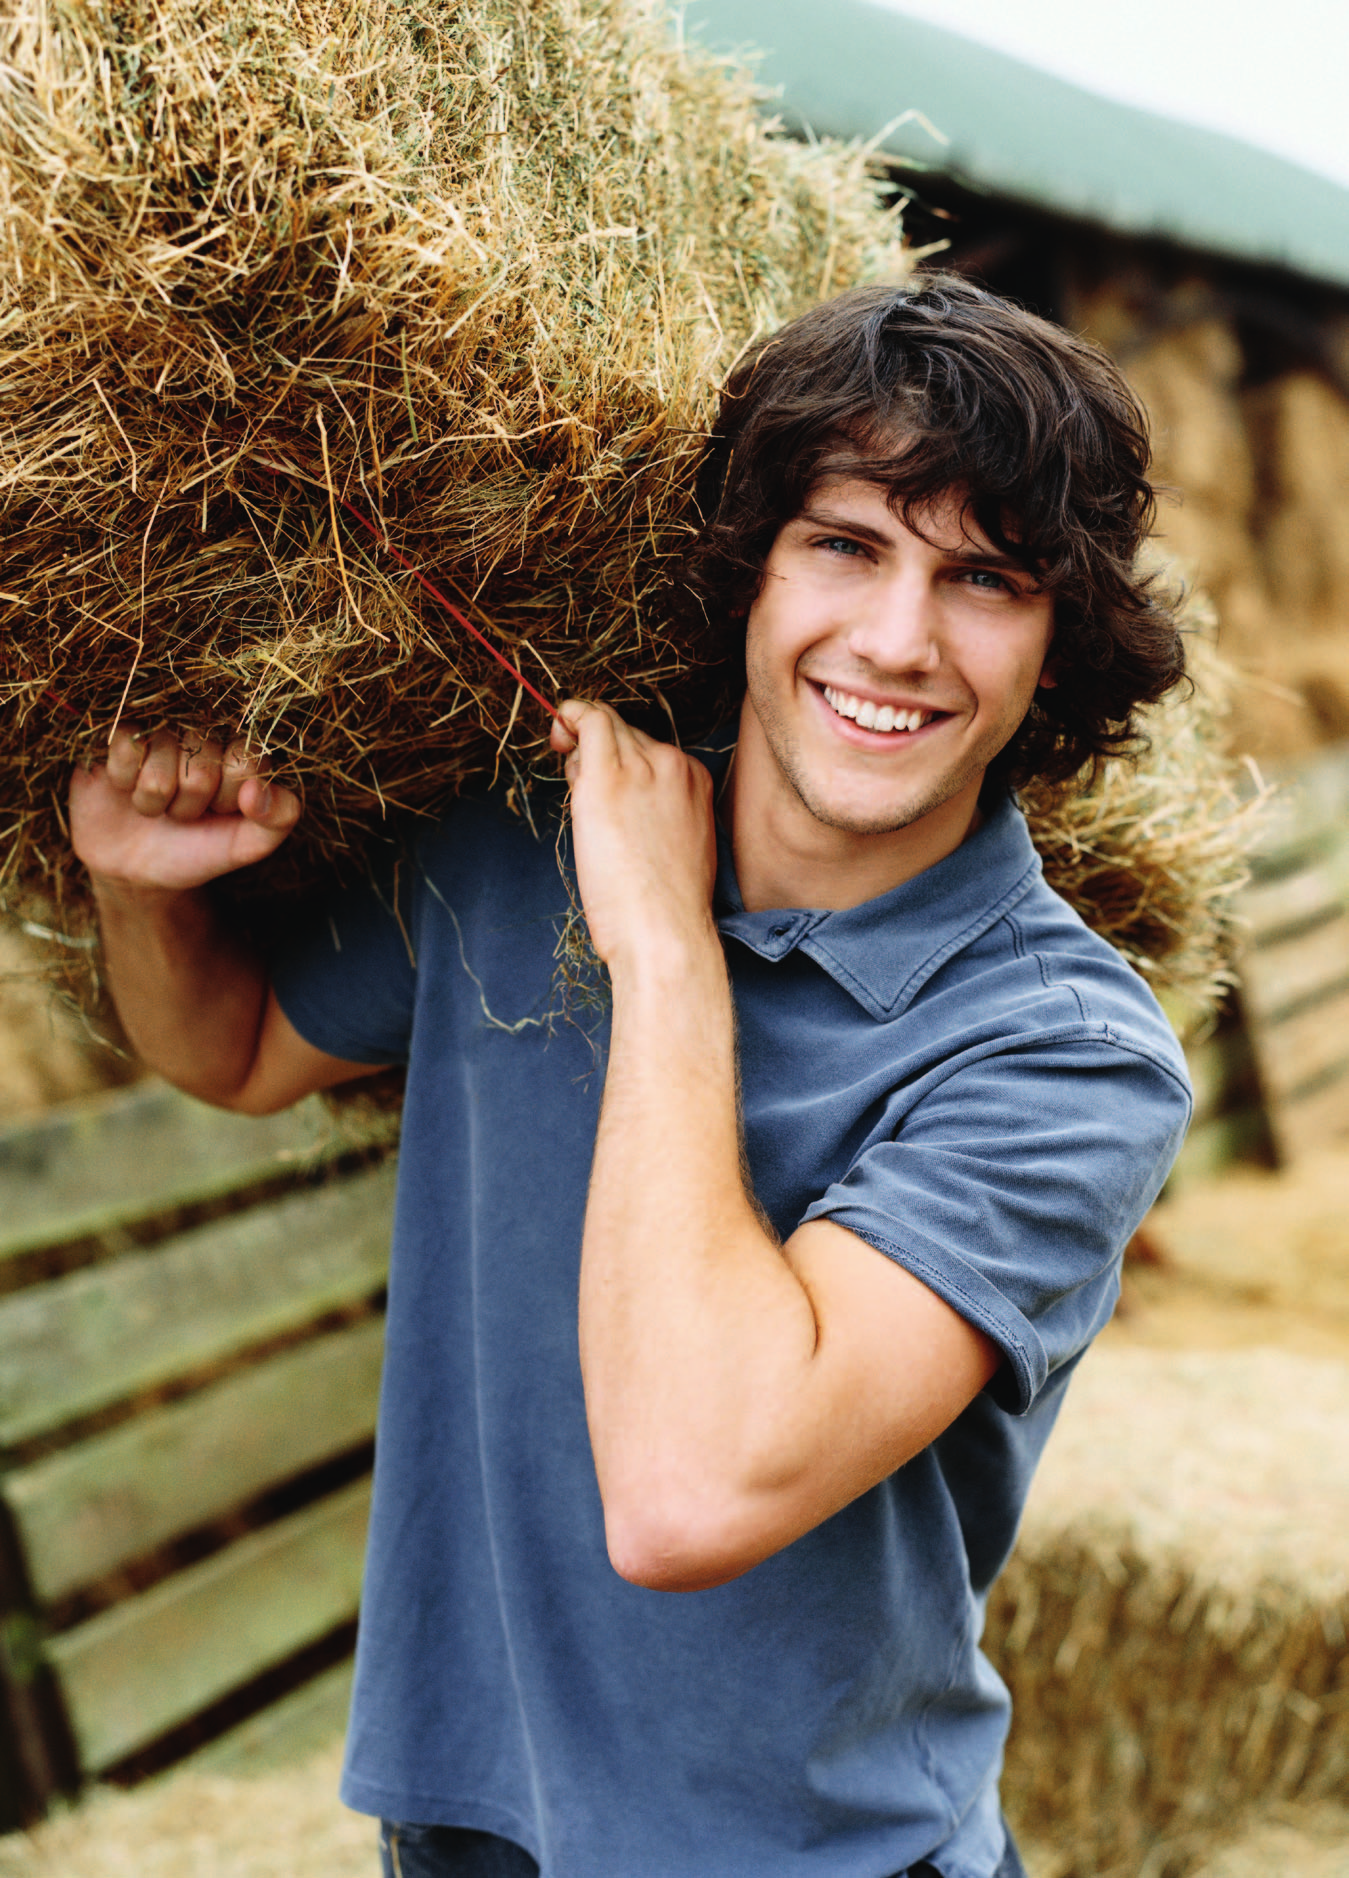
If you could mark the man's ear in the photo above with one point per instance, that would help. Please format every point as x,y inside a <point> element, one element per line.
<point>1049,674</point>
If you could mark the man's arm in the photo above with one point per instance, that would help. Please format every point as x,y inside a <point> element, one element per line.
<point>738,1391</point>
<point>154,826</point>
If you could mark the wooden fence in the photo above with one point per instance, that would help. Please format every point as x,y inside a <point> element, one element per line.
<point>190,1343</point>
<point>1272,1083</point>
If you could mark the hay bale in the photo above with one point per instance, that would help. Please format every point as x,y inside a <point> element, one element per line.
<point>1300,424</point>
<point>1262,1252</point>
<point>1292,1841</point>
<point>476,268</point>
<point>1254,473</point>
<point>1152,851</point>
<point>1173,1624</point>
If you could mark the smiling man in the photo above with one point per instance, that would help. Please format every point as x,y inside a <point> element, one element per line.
<point>832,1201</point>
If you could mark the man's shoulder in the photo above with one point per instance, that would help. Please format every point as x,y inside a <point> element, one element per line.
<point>497,827</point>
<point>1043,967</point>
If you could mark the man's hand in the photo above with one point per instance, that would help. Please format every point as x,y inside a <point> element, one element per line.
<point>169,815</point>
<point>156,823</point>
<point>645,845</point>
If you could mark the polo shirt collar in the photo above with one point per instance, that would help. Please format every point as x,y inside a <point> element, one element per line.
<point>883,951</point>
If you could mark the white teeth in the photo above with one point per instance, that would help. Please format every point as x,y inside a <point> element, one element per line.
<point>871,716</point>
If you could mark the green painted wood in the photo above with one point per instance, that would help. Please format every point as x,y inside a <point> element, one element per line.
<point>85,1511</point>
<point>290,1732</point>
<point>139,1669</point>
<point>1005,129</point>
<point>80,1342</point>
<point>89,1166</point>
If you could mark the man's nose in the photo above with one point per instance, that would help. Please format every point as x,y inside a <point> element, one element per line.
<point>899,630</point>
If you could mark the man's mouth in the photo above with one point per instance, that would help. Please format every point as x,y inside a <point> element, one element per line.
<point>869,715</point>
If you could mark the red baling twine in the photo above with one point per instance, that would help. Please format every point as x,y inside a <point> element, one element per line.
<point>416,573</point>
<point>448,604</point>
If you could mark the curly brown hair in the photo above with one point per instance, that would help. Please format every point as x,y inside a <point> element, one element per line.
<point>939,386</point>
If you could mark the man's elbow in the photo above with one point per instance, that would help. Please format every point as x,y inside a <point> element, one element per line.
<point>682,1543</point>
<point>249,1094</point>
<point>255,1099</point>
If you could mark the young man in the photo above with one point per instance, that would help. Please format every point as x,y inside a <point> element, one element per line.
<point>840,1178</point>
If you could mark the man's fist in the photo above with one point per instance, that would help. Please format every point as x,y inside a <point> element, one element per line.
<point>167,814</point>
<point>643,835</point>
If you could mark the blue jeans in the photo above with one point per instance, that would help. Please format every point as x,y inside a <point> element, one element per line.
<point>449,1852</point>
<point>453,1852</point>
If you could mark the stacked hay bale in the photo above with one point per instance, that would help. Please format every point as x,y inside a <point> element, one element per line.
<point>1299,425</point>
<point>1174,1623</point>
<point>1256,471</point>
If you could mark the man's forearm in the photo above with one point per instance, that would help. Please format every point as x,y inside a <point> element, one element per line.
<point>739,1391</point>
<point>695,1331</point>
<point>190,996</point>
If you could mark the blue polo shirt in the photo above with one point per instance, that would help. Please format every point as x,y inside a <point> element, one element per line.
<point>960,1073</point>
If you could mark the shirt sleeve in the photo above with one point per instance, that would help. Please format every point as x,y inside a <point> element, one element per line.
<point>347,978</point>
<point>1012,1187</point>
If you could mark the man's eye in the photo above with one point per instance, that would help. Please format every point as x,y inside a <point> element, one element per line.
<point>986,578</point>
<point>840,544</point>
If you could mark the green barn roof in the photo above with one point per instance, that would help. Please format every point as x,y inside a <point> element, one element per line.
<point>848,68</point>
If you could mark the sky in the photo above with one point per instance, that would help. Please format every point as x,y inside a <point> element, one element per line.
<point>1274,74</point>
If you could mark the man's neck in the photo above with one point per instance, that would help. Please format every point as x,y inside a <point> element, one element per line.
<point>785,857</point>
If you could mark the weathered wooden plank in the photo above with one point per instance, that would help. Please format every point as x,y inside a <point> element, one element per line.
<point>1307,1048</point>
<point>291,1731</point>
<point>90,1165</point>
<point>1308,1122</point>
<point>1309,896</point>
<point>139,1669</point>
<point>81,1342</point>
<point>83,1512</point>
<point>1312,965</point>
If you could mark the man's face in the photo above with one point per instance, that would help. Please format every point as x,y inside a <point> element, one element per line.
<point>886,671</point>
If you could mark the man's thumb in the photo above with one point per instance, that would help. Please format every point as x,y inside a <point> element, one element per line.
<point>268,805</point>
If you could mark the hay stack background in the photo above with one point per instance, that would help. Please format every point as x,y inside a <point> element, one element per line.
<point>1258,465</point>
<point>477,270</point>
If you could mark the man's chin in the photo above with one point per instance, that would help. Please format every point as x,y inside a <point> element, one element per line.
<point>862,819</point>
